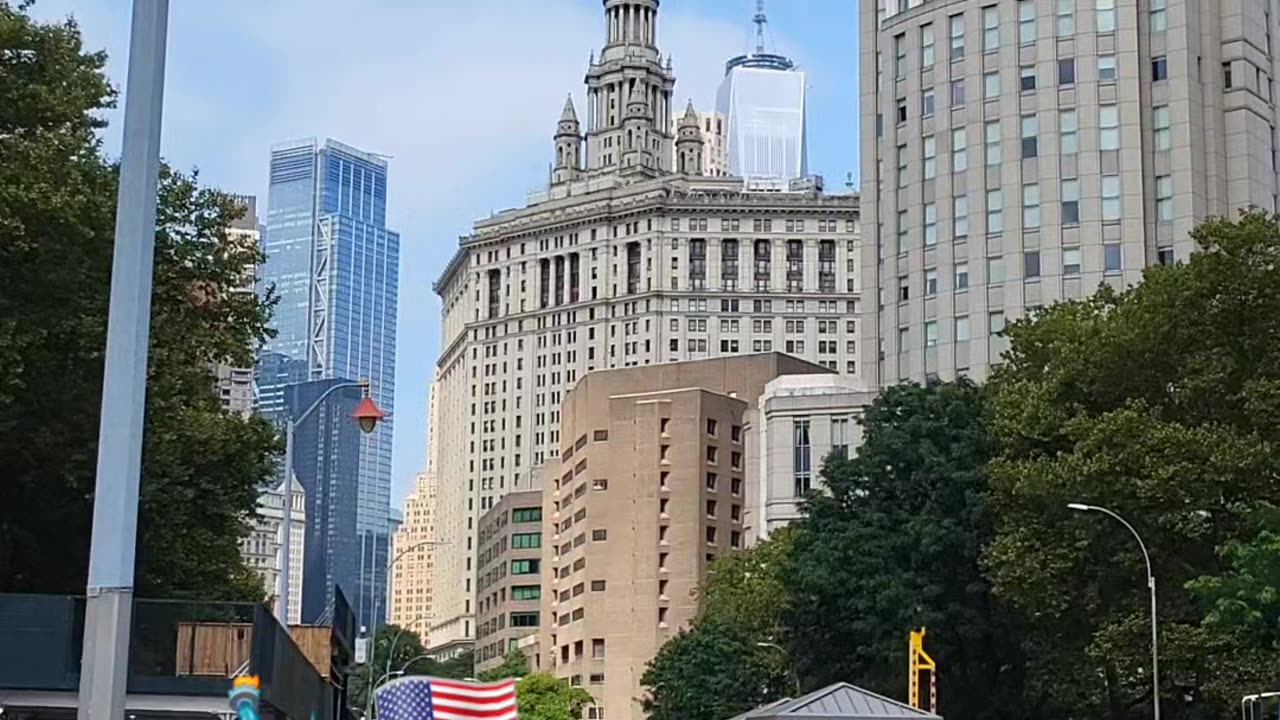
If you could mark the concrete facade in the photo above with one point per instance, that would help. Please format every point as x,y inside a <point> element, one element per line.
<point>410,590</point>
<point>235,384</point>
<point>261,549</point>
<point>1017,153</point>
<point>620,262</point>
<point>509,581</point>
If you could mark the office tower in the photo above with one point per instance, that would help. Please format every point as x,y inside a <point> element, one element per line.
<point>415,542</point>
<point>715,156</point>
<point>335,267</point>
<point>618,263</point>
<point>762,97</point>
<point>509,578</point>
<point>1018,153</point>
<point>235,384</point>
<point>261,550</point>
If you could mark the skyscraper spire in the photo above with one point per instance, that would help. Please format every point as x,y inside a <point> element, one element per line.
<point>761,21</point>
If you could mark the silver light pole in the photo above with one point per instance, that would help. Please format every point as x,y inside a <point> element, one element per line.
<point>1151,585</point>
<point>104,662</point>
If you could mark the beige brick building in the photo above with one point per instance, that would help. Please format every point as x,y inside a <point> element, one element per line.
<point>509,579</point>
<point>410,591</point>
<point>1020,152</point>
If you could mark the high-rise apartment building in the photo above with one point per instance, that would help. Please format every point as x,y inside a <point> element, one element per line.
<point>262,548</point>
<point>334,266</point>
<point>509,576</point>
<point>1016,153</point>
<point>625,260</point>
<point>762,97</point>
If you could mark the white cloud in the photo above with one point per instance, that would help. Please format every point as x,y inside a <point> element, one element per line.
<point>463,96</point>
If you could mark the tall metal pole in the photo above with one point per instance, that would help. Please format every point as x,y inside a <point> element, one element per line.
<point>104,665</point>
<point>286,533</point>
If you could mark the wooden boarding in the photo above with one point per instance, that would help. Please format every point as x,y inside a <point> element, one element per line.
<point>219,649</point>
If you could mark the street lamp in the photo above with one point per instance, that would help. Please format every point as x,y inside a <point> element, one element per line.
<point>367,415</point>
<point>794,674</point>
<point>404,669</point>
<point>1151,585</point>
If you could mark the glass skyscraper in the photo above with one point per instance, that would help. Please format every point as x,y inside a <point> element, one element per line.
<point>762,98</point>
<point>334,267</point>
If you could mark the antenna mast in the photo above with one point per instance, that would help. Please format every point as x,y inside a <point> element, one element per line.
<point>760,20</point>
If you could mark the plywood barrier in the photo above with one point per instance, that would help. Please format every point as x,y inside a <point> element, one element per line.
<point>219,649</point>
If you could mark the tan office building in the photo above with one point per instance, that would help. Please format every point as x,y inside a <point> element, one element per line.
<point>509,579</point>
<point>650,486</point>
<point>410,590</point>
<point>1016,153</point>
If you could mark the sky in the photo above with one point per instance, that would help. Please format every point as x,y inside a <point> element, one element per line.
<point>463,97</point>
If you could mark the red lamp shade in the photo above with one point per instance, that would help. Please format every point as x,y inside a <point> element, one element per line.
<point>368,415</point>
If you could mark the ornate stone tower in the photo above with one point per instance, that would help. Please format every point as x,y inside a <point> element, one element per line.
<point>568,164</point>
<point>629,68</point>
<point>689,144</point>
<point>639,140</point>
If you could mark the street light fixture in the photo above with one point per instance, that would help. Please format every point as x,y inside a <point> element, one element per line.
<point>367,416</point>
<point>1151,585</point>
<point>794,674</point>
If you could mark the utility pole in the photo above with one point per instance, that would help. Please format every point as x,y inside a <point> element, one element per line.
<point>104,665</point>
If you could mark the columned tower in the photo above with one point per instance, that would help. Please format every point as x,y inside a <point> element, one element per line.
<point>689,144</point>
<point>568,146</point>
<point>629,71</point>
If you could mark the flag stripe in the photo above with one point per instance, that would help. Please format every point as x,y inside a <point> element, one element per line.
<point>486,696</point>
<point>479,709</point>
<point>442,714</point>
<point>474,688</point>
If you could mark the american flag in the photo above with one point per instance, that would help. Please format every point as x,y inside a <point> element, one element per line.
<point>426,698</point>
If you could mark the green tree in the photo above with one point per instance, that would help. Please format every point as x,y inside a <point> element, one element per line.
<point>894,545</point>
<point>514,665</point>
<point>541,696</point>
<point>747,588</point>
<point>1160,403</point>
<point>201,466</point>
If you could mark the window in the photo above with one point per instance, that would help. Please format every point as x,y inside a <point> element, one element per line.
<point>995,322</point>
<point>1030,136</point>
<point>1027,78</point>
<point>1164,198</point>
<point>902,177</point>
<point>523,619</point>
<point>1068,129</point>
<point>1031,264</point>
<point>1026,22</point>
<point>1070,262</point>
<point>1030,206</point>
<point>712,427</point>
<point>1106,16</point>
<point>526,592</point>
<point>1160,121</point>
<point>990,28</point>
<point>904,288</point>
<point>1159,68</point>
<point>522,541</point>
<point>926,103</point>
<point>1164,256</point>
<point>712,481</point>
<point>1159,15</point>
<point>524,515</point>
<point>930,224</point>
<point>955,25</point>
<point>900,55</point>
<point>1226,76</point>
<point>597,649</point>
<point>599,535</point>
<point>600,484</point>
<point>1110,197</point>
<point>801,458</point>
<point>991,85</point>
<point>598,585</point>
<point>959,158</point>
<point>1111,257</point>
<point>930,283</point>
<point>1071,202</point>
<point>931,334</point>
<point>991,138</point>
<point>962,328</point>
<point>902,231</point>
<point>1067,72</point>
<point>902,111</point>
<point>995,212</point>
<point>525,567</point>
<point>962,276</point>
<point>1066,18</point>
<point>957,92</point>
<point>1109,127</point>
<point>930,158</point>
<point>1107,68</point>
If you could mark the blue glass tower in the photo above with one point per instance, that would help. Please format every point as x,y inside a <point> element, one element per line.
<point>334,267</point>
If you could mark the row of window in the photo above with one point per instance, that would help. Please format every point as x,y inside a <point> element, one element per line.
<point>1072,266</point>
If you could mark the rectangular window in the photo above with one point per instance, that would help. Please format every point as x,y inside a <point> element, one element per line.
<point>1109,127</point>
<point>962,276</point>
<point>1160,122</point>
<point>524,515</point>
<point>1111,257</point>
<point>1030,136</point>
<point>1107,68</point>
<point>903,228</point>
<point>990,28</point>
<point>995,212</point>
<point>1026,22</point>
<point>801,457</point>
<point>1106,16</point>
<point>525,567</point>
<point>930,283</point>
<point>959,156</point>
<point>523,541</point>
<point>1027,78</point>
<point>526,592</point>
<point>1066,18</point>
<point>1226,76</point>
<point>960,216</point>
<point>957,92</point>
<point>1067,72</point>
<point>1068,129</point>
<point>1071,202</point>
<point>995,322</point>
<point>1165,256</point>
<point>926,46</point>
<point>839,441</point>
<point>930,158</point>
<point>931,333</point>
<point>1164,198</point>
<point>1110,197</point>
<point>962,328</point>
<point>955,30</point>
<point>902,111</point>
<point>1031,264</point>
<point>1159,15</point>
<point>1070,262</point>
<point>930,224</point>
<point>995,270</point>
<point>926,103</point>
<point>991,85</point>
<point>1159,68</point>
<point>902,181</point>
<point>1030,206</point>
<point>991,139</point>
<point>599,535</point>
<point>900,55</point>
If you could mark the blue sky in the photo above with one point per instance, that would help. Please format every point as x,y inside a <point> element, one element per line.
<point>462,95</point>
